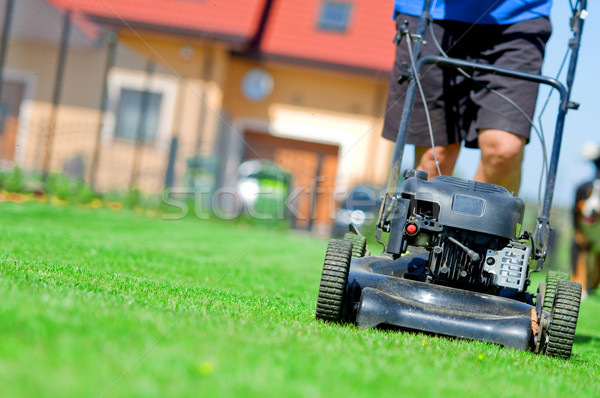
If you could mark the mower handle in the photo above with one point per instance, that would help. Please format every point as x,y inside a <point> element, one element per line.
<point>472,66</point>
<point>543,223</point>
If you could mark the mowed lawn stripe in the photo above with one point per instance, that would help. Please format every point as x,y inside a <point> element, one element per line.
<point>189,308</point>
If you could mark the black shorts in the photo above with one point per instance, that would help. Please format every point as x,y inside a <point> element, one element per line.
<point>459,107</point>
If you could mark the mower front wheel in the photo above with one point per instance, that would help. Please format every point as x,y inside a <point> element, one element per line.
<point>565,311</point>
<point>330,302</point>
<point>550,288</point>
<point>359,244</point>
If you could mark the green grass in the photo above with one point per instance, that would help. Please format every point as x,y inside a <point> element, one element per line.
<point>103,303</point>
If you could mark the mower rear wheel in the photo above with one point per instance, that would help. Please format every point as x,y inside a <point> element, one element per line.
<point>551,281</point>
<point>359,244</point>
<point>565,311</point>
<point>333,280</point>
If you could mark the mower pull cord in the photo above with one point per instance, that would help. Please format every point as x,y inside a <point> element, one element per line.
<point>387,204</point>
<point>543,224</point>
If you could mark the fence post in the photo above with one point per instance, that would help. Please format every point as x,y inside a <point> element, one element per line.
<point>315,192</point>
<point>170,174</point>
<point>60,70</point>
<point>139,138</point>
<point>207,74</point>
<point>4,42</point>
<point>112,39</point>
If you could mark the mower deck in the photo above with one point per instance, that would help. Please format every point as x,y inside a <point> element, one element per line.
<point>378,295</point>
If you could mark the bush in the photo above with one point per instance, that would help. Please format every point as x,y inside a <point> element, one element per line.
<point>14,181</point>
<point>60,186</point>
<point>133,198</point>
<point>86,195</point>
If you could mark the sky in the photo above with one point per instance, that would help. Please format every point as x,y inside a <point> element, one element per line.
<point>581,126</point>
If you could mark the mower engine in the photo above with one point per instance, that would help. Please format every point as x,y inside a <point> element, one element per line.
<point>468,227</point>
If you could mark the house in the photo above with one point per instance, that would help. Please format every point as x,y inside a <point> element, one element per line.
<point>188,90</point>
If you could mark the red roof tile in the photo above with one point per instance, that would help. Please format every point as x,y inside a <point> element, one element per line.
<point>222,17</point>
<point>292,32</point>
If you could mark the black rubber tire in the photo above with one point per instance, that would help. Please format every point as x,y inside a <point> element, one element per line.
<point>333,281</point>
<point>565,311</point>
<point>359,244</point>
<point>551,280</point>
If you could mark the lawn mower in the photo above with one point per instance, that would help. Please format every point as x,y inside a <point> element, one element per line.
<point>456,262</point>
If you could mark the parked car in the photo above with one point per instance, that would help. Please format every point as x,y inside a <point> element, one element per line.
<point>360,207</point>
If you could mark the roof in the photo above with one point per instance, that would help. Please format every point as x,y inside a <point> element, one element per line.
<point>232,20</point>
<point>290,33</point>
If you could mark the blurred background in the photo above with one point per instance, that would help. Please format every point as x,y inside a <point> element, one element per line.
<point>155,95</point>
<point>266,108</point>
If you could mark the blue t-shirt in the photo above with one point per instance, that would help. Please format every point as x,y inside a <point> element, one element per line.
<point>487,12</point>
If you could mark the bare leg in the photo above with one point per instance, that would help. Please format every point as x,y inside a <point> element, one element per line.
<point>447,155</point>
<point>501,158</point>
<point>595,273</point>
<point>581,272</point>
<point>580,247</point>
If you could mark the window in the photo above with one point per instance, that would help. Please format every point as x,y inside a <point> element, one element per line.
<point>125,89</point>
<point>130,114</point>
<point>335,15</point>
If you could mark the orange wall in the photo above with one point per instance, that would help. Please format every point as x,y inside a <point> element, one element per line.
<point>208,84</point>
<point>323,95</point>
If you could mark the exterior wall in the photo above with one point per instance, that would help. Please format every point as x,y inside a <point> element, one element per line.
<point>203,107</point>
<point>342,110</point>
<point>321,106</point>
<point>193,95</point>
<point>35,64</point>
<point>78,116</point>
<point>199,71</point>
<point>31,59</point>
